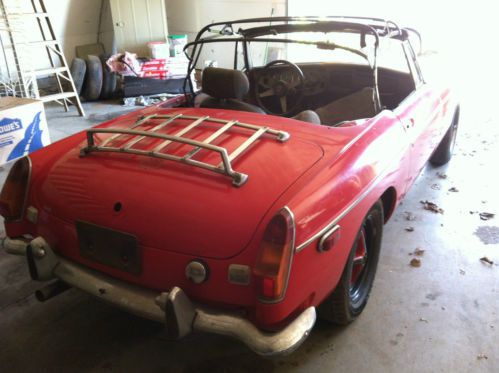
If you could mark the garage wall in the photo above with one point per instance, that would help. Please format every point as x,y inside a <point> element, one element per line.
<point>106,34</point>
<point>75,22</point>
<point>189,16</point>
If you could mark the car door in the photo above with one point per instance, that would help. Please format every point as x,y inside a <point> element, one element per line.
<point>419,114</point>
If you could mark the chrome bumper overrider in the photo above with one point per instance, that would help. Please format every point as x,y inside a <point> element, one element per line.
<point>173,308</point>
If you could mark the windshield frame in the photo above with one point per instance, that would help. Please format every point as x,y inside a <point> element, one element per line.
<point>364,26</point>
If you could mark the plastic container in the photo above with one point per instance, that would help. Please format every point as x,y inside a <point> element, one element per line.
<point>177,43</point>
<point>159,49</point>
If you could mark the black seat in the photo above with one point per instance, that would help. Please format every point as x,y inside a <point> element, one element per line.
<point>225,89</point>
<point>355,106</point>
<point>308,116</point>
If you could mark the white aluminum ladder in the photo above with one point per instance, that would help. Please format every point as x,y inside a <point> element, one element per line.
<point>14,20</point>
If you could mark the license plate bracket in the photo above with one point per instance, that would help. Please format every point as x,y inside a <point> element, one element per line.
<point>110,247</point>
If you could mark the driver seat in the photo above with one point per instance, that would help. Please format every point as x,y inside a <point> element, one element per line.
<point>225,88</point>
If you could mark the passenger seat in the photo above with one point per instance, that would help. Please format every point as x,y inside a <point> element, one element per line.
<point>357,105</point>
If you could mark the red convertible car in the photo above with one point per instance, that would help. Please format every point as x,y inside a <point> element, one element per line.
<point>252,206</point>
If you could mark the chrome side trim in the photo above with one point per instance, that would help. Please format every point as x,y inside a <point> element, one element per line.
<point>293,225</point>
<point>373,120</point>
<point>336,220</point>
<point>293,247</point>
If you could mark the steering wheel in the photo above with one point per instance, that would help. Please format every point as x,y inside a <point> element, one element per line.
<point>279,89</point>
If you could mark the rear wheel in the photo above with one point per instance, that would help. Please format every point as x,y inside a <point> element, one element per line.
<point>443,153</point>
<point>350,297</point>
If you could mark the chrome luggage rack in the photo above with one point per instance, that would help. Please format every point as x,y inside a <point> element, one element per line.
<point>224,167</point>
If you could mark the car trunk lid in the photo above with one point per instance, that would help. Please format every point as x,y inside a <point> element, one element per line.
<point>170,205</point>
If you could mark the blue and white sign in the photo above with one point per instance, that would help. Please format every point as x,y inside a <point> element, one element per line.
<point>10,125</point>
<point>23,127</point>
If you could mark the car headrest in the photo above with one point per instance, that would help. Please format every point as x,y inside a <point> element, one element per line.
<point>225,83</point>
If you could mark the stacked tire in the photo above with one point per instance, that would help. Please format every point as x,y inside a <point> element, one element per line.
<point>93,79</point>
<point>109,80</point>
<point>78,71</point>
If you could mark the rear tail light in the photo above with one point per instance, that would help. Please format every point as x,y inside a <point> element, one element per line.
<point>275,256</point>
<point>15,190</point>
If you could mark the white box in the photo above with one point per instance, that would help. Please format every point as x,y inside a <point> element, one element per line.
<point>159,49</point>
<point>23,127</point>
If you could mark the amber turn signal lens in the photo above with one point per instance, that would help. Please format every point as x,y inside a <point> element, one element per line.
<point>14,191</point>
<point>275,256</point>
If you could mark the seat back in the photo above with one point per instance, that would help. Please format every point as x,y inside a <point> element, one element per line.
<point>225,89</point>
<point>357,105</point>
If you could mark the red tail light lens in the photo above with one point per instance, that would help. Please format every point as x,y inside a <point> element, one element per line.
<point>15,189</point>
<point>273,264</point>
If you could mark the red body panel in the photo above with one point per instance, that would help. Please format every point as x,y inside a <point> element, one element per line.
<point>179,213</point>
<point>185,197</point>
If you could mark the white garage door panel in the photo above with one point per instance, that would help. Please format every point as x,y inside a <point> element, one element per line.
<point>142,21</point>
<point>137,22</point>
<point>158,23</point>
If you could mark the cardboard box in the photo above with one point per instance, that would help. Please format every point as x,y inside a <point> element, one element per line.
<point>155,74</point>
<point>153,65</point>
<point>23,127</point>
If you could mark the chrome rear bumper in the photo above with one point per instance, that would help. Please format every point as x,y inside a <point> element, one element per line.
<point>173,308</point>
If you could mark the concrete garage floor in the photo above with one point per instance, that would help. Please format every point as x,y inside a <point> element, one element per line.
<point>440,317</point>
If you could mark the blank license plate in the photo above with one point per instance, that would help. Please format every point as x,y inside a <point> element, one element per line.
<point>116,249</point>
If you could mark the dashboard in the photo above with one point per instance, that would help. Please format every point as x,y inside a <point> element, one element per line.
<point>326,82</point>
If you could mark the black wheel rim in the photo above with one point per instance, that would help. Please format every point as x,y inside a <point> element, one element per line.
<point>454,135</point>
<point>361,263</point>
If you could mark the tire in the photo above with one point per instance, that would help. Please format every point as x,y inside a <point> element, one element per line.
<point>443,152</point>
<point>78,70</point>
<point>350,296</point>
<point>93,79</point>
<point>108,79</point>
